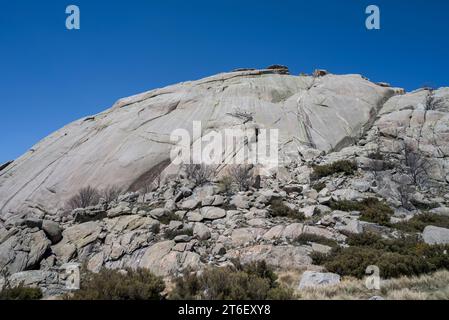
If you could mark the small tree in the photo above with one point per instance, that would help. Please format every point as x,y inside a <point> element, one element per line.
<point>405,192</point>
<point>242,176</point>
<point>111,193</point>
<point>85,197</point>
<point>417,165</point>
<point>200,174</point>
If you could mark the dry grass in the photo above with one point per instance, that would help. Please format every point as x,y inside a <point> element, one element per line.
<point>426,287</point>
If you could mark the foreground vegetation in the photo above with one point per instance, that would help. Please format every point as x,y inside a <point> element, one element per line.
<point>130,284</point>
<point>395,257</point>
<point>20,293</point>
<point>426,287</point>
<point>243,282</point>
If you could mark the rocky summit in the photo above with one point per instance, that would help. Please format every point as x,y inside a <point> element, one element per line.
<point>358,158</point>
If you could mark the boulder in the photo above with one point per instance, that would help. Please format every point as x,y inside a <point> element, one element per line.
<point>52,230</point>
<point>201,231</point>
<point>311,279</point>
<point>278,257</point>
<point>436,235</point>
<point>212,213</point>
<point>23,250</point>
<point>159,213</point>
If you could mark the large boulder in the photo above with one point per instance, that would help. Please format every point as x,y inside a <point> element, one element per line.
<point>279,257</point>
<point>318,279</point>
<point>23,250</point>
<point>436,235</point>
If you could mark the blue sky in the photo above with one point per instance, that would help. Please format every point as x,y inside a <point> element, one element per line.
<point>51,76</point>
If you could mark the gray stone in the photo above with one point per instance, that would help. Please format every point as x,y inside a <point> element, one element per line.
<point>194,216</point>
<point>201,231</point>
<point>436,235</point>
<point>159,213</point>
<point>212,213</point>
<point>318,279</point>
<point>52,230</point>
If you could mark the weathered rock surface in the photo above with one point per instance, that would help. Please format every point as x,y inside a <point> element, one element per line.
<point>436,235</point>
<point>318,279</point>
<point>132,139</point>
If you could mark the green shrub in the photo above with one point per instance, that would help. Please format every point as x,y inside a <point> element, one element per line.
<point>20,293</point>
<point>305,238</point>
<point>108,284</point>
<point>342,166</point>
<point>371,209</point>
<point>318,186</point>
<point>406,256</point>
<point>250,282</point>
<point>279,209</point>
<point>419,222</point>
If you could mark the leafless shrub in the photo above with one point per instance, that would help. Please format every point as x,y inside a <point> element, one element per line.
<point>200,174</point>
<point>243,115</point>
<point>405,191</point>
<point>417,165</point>
<point>242,176</point>
<point>226,184</point>
<point>111,193</point>
<point>85,197</point>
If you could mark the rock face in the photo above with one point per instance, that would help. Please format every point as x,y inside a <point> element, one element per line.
<point>131,140</point>
<point>181,224</point>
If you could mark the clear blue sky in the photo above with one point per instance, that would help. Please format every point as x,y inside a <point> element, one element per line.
<point>51,76</point>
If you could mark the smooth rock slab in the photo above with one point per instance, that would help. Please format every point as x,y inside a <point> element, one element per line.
<point>212,213</point>
<point>436,235</point>
<point>317,279</point>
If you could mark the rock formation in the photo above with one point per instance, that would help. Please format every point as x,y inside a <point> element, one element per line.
<point>395,144</point>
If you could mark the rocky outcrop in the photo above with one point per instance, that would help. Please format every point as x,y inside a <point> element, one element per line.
<point>131,141</point>
<point>181,225</point>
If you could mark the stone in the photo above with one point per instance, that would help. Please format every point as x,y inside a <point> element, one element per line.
<point>201,231</point>
<point>444,211</point>
<point>212,213</point>
<point>190,204</point>
<point>293,231</point>
<point>274,233</point>
<point>257,222</point>
<point>311,279</point>
<point>159,213</point>
<point>162,261</point>
<point>52,230</point>
<point>23,250</point>
<point>121,209</point>
<point>436,235</point>
<point>291,188</point>
<point>194,216</point>
<point>96,262</point>
<point>350,226</point>
<point>182,238</point>
<point>347,194</point>
<point>219,250</point>
<point>278,257</point>
<point>244,236</point>
<point>240,201</point>
<point>308,211</point>
<point>81,235</point>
